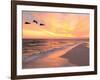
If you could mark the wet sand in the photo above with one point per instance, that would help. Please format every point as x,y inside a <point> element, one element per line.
<point>77,55</point>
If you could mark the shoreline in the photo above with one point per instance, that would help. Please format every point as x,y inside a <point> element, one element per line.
<point>63,53</point>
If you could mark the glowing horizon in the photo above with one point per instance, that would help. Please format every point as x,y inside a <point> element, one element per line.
<point>57,25</point>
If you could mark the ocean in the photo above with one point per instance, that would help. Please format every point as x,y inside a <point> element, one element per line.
<point>44,53</point>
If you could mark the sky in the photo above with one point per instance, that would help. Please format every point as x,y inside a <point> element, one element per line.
<point>56,25</point>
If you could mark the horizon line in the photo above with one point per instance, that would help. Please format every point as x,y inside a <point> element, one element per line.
<point>55,38</point>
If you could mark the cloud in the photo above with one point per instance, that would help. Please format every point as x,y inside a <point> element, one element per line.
<point>58,25</point>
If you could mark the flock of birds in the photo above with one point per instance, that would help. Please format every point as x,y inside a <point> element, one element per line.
<point>36,22</point>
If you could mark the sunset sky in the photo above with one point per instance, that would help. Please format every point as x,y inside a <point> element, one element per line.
<point>56,25</point>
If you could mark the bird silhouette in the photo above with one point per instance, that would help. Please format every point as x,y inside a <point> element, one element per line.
<point>35,21</point>
<point>27,23</point>
<point>41,24</point>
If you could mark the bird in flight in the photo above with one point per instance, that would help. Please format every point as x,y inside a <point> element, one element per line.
<point>35,21</point>
<point>27,23</point>
<point>41,24</point>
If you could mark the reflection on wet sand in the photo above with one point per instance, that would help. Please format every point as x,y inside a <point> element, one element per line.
<point>53,53</point>
<point>49,62</point>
